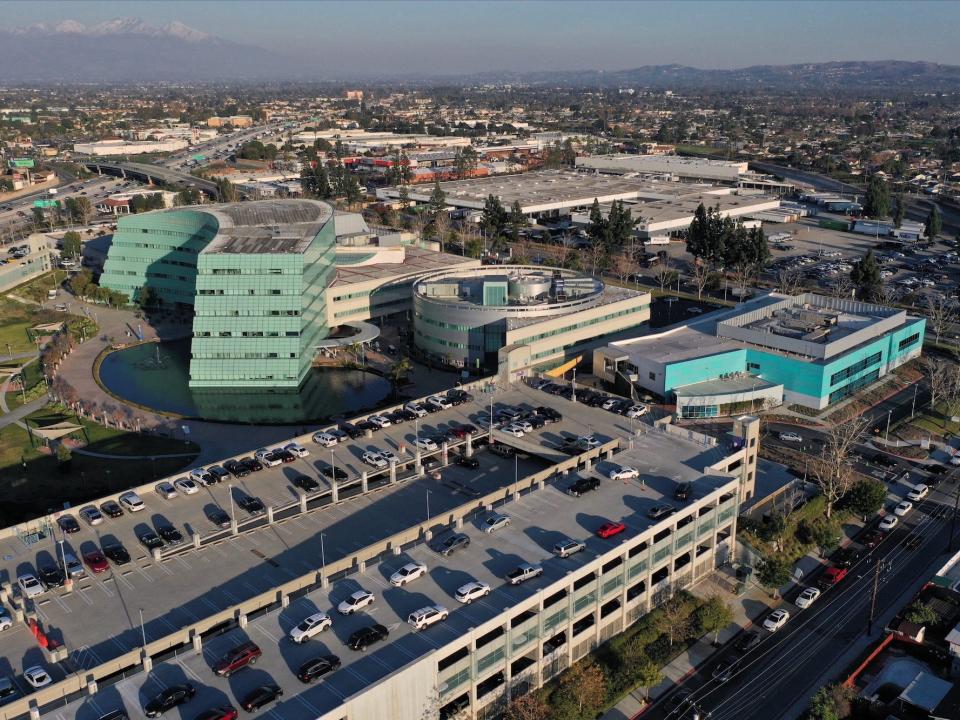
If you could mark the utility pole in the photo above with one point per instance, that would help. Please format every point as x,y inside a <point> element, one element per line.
<point>913,408</point>
<point>956,505</point>
<point>880,566</point>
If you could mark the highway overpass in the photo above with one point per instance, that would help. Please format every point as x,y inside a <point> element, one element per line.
<point>155,174</point>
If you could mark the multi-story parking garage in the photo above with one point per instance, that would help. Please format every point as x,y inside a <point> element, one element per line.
<point>513,317</point>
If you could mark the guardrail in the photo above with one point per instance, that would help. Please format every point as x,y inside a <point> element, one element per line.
<point>191,637</point>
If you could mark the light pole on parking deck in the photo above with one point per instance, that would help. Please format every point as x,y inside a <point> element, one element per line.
<point>428,508</point>
<point>143,632</point>
<point>323,557</point>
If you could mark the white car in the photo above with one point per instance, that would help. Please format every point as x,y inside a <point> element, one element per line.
<point>186,486</point>
<point>5,622</point>
<point>37,677</point>
<point>790,437</point>
<point>694,310</point>
<point>807,598</point>
<point>91,515</point>
<point>495,522</point>
<point>409,572</point>
<point>325,439</point>
<point>310,626</point>
<point>902,508</point>
<point>919,492</point>
<point>131,501</point>
<point>380,421</point>
<point>374,459</point>
<point>296,449</point>
<point>201,475</point>
<point>589,441</point>
<point>267,458</point>
<point>166,490</point>
<point>471,591</point>
<point>514,430</point>
<point>425,444</point>
<point>359,600</point>
<point>524,425</point>
<point>624,472</point>
<point>776,620</point>
<point>609,403</point>
<point>636,411</point>
<point>567,547</point>
<point>427,616</point>
<point>30,587</point>
<point>889,522</point>
<point>389,455</point>
<point>440,402</point>
<point>415,409</point>
<point>955,460</point>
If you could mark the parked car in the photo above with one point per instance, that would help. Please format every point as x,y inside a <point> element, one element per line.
<point>29,586</point>
<point>50,575</point>
<point>91,515</point>
<point>169,534</point>
<point>333,473</point>
<point>68,524</point>
<point>884,460</point>
<point>427,616</point>
<point>660,511</point>
<point>523,572</point>
<point>96,561</point>
<point>317,667</point>
<point>218,517</point>
<point>903,507</point>
<point>306,483</point>
<point>919,492</point>
<point>831,576</point>
<point>425,444</point>
<point>415,409</point>
<point>683,491</point>
<point>776,620</point>
<point>325,439</point>
<point>806,598</point>
<point>116,553</point>
<point>252,505</point>
<point>37,677</point>
<point>583,485</point>
<point>380,421</point>
<point>131,501</point>
<point>297,450</point>
<point>252,464</point>
<point>374,459</point>
<point>609,529</point>
<point>169,698</point>
<point>238,658</point>
<point>357,601</point>
<point>747,641</point>
<point>236,468</point>
<point>451,544</point>
<point>261,697</point>
<point>471,591</point>
<point>150,540</point>
<point>166,490</point>
<point>186,486</point>
<point>111,509</point>
<point>366,636</point>
<point>471,463</point>
<point>495,522</point>
<point>219,473</point>
<point>310,626</point>
<point>790,437</point>
<point>408,573</point>
<point>567,547</point>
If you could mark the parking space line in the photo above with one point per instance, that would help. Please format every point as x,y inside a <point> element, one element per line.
<point>212,605</point>
<point>107,591</point>
<point>270,635</point>
<point>144,572</point>
<point>183,561</point>
<point>82,593</point>
<point>121,580</point>
<point>188,671</point>
<point>60,600</point>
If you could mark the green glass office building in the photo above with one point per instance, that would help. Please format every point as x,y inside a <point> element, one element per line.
<point>254,274</point>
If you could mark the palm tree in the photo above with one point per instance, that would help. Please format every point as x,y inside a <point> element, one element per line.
<point>397,372</point>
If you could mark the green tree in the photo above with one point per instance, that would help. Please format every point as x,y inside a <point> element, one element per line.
<point>138,203</point>
<point>39,219</point>
<point>80,283</point>
<point>899,211</point>
<point>473,247</point>
<point>189,196</point>
<point>697,233</point>
<point>438,201</point>
<point>145,297</point>
<point>866,497</point>
<point>516,221</point>
<point>876,203</point>
<point>398,372</point>
<point>101,294</point>
<point>226,190</point>
<point>493,221</point>
<point>117,298</point>
<point>71,244</point>
<point>832,702</point>
<point>713,616</point>
<point>934,223</point>
<point>866,276</point>
<point>774,573</point>
<point>404,197</point>
<point>774,530</point>
<point>826,534</point>
<point>921,614</point>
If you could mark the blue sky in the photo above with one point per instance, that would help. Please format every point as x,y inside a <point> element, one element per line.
<point>453,37</point>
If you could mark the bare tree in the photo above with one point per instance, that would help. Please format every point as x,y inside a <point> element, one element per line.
<point>624,266</point>
<point>842,287</point>
<point>700,274</point>
<point>939,378</point>
<point>531,706</point>
<point>420,224</point>
<point>665,274</point>
<point>939,310</point>
<point>598,256</point>
<point>830,469</point>
<point>441,227</point>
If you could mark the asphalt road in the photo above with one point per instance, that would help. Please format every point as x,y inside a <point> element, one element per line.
<point>776,678</point>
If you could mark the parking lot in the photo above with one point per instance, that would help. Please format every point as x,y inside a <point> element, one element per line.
<point>100,618</point>
<point>538,521</point>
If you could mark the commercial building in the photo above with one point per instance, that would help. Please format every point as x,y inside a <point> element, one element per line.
<point>237,121</point>
<point>254,275</point>
<point>674,166</point>
<point>103,148</point>
<point>512,318</point>
<point>119,203</point>
<point>34,259</point>
<point>797,349</point>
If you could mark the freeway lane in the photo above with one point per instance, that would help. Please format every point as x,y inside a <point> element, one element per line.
<point>776,678</point>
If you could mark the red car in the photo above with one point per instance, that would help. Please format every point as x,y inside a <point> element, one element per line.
<point>237,659</point>
<point>610,529</point>
<point>831,576</point>
<point>96,561</point>
<point>227,712</point>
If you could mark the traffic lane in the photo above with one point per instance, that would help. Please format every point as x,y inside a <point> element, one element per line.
<point>779,672</point>
<point>100,619</point>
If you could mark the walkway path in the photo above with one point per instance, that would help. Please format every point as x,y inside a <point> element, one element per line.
<point>11,417</point>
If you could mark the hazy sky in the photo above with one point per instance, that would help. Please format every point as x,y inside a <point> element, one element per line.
<point>446,36</point>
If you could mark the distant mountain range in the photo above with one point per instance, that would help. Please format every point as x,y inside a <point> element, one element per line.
<point>132,50</point>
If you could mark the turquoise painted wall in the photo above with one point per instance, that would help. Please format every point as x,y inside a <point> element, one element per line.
<point>687,372</point>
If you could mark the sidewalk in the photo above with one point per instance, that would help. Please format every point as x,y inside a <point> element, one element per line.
<point>753,605</point>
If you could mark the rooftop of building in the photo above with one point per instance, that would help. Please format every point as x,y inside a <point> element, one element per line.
<point>678,161</point>
<point>410,260</point>
<point>267,226</point>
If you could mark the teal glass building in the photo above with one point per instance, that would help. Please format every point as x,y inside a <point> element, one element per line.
<point>254,276</point>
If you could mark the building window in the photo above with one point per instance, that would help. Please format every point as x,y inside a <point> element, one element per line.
<point>855,368</point>
<point>908,342</point>
<point>752,366</point>
<point>652,376</point>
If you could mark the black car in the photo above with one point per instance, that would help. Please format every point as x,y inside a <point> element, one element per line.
<point>252,464</point>
<point>285,456</point>
<point>317,667</point>
<point>150,540</point>
<point>117,553</point>
<point>458,397</point>
<point>846,557</point>
<point>305,483</point>
<point>536,421</point>
<point>111,509</point>
<point>407,414</point>
<point>236,468</point>
<point>747,641</point>
<point>170,534</point>
<point>583,485</point>
<point>396,417</point>
<point>884,460</point>
<point>452,544</point>
<point>50,575</point>
<point>252,505</point>
<point>596,401</point>
<point>219,473</point>
<point>683,491</point>
<point>69,524</point>
<point>365,425</point>
<point>351,430</point>
<point>935,469</point>
<point>169,699</point>
<point>549,414</point>
<point>470,463</point>
<point>260,697</point>
<point>328,471</point>
<point>367,636</point>
<point>218,517</point>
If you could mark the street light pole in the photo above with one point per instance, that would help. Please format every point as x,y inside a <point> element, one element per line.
<point>323,557</point>
<point>886,436</point>
<point>956,506</point>
<point>143,632</point>
<point>428,508</point>
<point>230,491</point>
<point>913,408</point>
<point>881,566</point>
<point>333,467</point>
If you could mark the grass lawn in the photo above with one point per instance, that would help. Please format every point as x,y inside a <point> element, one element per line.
<point>37,288</point>
<point>15,319</point>
<point>32,482</point>
<point>32,378</point>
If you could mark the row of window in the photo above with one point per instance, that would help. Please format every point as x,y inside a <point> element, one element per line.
<point>578,343</point>
<point>240,356</point>
<point>847,390</point>
<point>446,343</point>
<point>164,247</point>
<point>585,323</point>
<point>250,291</point>
<point>237,271</point>
<point>907,342</point>
<point>855,368</point>
<point>371,308</point>
<point>246,334</point>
